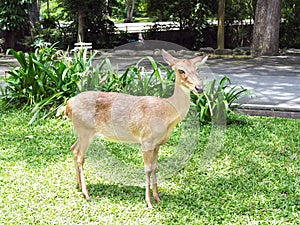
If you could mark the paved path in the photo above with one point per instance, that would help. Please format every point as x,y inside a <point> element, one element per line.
<point>275,80</point>
<point>4,66</point>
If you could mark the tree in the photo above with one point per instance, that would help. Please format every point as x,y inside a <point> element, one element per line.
<point>221,20</point>
<point>188,13</point>
<point>34,14</point>
<point>290,26</point>
<point>13,18</point>
<point>266,28</point>
<point>130,10</point>
<point>90,20</point>
<point>81,25</point>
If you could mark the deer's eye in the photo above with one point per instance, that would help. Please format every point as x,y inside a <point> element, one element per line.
<point>181,71</point>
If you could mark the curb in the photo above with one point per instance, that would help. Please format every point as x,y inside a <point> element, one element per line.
<point>270,111</point>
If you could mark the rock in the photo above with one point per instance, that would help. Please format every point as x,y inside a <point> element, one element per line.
<point>292,51</point>
<point>207,50</point>
<point>224,51</point>
<point>157,52</point>
<point>186,52</point>
<point>242,51</point>
<point>238,51</point>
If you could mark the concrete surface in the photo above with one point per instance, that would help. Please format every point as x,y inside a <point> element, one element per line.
<point>275,80</point>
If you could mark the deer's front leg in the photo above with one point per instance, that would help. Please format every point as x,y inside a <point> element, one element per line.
<point>154,180</point>
<point>148,156</point>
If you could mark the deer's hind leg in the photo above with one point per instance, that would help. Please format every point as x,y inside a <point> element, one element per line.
<point>79,149</point>
<point>74,149</point>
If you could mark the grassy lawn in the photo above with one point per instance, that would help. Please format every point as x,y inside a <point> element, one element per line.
<point>255,178</point>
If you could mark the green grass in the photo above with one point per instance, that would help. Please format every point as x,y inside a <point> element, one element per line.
<point>253,180</point>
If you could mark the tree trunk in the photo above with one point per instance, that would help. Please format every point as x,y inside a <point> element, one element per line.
<point>39,3</point>
<point>10,40</point>
<point>34,15</point>
<point>48,9</point>
<point>81,25</point>
<point>130,10</point>
<point>266,28</point>
<point>221,19</point>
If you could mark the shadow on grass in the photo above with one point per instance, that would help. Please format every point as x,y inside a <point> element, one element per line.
<point>116,192</point>
<point>238,119</point>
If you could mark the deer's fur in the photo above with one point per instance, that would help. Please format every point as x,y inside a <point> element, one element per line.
<point>145,120</point>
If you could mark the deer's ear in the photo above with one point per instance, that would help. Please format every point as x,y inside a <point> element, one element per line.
<point>167,57</point>
<point>199,60</point>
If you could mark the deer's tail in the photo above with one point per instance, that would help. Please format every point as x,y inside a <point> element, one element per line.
<point>66,111</point>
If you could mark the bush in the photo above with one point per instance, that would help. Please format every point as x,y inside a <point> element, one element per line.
<point>218,100</point>
<point>44,79</point>
<point>214,104</point>
<point>153,83</point>
<point>135,80</point>
<point>47,77</point>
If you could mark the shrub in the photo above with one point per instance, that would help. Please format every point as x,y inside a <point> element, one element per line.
<point>44,79</point>
<point>153,83</point>
<point>136,80</point>
<point>218,100</point>
<point>47,77</point>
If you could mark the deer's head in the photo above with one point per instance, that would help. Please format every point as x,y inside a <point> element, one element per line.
<point>186,71</point>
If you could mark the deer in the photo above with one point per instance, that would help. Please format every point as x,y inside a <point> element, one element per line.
<point>144,120</point>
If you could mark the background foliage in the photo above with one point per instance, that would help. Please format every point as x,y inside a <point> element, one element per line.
<point>13,14</point>
<point>47,77</point>
<point>99,29</point>
<point>290,29</point>
<point>44,79</point>
<point>194,16</point>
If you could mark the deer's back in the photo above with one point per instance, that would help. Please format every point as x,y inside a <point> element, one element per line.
<point>125,118</point>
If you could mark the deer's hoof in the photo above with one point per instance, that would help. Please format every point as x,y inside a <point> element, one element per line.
<point>157,199</point>
<point>150,205</point>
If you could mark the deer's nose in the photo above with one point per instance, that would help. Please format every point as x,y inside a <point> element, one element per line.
<point>199,88</point>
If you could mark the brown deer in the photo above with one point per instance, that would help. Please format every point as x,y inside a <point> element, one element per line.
<point>146,120</point>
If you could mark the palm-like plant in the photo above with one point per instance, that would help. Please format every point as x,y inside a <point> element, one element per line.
<point>218,100</point>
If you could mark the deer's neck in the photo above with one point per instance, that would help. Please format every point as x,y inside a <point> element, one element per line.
<point>180,99</point>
